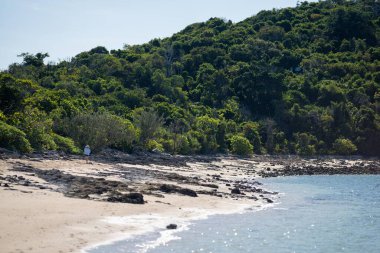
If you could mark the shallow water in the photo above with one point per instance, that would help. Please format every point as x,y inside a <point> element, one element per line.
<point>315,214</point>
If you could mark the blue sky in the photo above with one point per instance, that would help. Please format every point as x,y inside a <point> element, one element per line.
<point>64,28</point>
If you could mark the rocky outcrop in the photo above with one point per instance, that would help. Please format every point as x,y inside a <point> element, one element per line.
<point>169,188</point>
<point>86,187</point>
<point>321,168</point>
<point>20,180</point>
<point>171,226</point>
<point>133,198</point>
<point>235,191</point>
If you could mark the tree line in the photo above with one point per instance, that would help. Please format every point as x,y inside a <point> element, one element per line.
<point>303,80</point>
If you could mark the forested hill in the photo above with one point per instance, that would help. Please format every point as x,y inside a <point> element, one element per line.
<point>302,80</point>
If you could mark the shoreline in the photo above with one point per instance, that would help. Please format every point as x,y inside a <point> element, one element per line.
<point>44,208</point>
<point>158,227</point>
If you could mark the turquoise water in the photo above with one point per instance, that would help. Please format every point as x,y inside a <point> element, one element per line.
<point>315,214</point>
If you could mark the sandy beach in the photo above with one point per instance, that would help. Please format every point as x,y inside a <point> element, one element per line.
<point>41,213</point>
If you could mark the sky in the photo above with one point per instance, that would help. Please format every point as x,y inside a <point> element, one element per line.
<point>64,28</point>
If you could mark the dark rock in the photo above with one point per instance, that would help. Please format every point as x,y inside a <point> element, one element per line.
<point>168,188</point>
<point>235,191</point>
<point>188,192</point>
<point>6,185</point>
<point>210,185</point>
<point>26,191</point>
<point>171,226</point>
<point>268,200</point>
<point>253,197</point>
<point>26,183</point>
<point>133,198</point>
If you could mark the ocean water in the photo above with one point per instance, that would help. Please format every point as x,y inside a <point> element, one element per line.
<point>312,214</point>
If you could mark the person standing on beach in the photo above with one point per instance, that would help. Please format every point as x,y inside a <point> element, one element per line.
<point>87,152</point>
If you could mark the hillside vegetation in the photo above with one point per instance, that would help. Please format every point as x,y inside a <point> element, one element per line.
<point>302,80</point>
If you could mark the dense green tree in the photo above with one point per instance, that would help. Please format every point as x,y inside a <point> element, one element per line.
<point>37,126</point>
<point>351,22</point>
<point>36,60</point>
<point>208,129</point>
<point>251,132</point>
<point>13,91</point>
<point>13,138</point>
<point>305,144</point>
<point>240,145</point>
<point>344,147</point>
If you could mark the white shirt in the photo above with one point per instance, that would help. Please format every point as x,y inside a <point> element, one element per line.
<point>87,151</point>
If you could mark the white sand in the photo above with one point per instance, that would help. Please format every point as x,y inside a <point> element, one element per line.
<point>34,220</point>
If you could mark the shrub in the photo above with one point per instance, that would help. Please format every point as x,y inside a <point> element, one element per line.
<point>194,145</point>
<point>127,134</point>
<point>251,132</point>
<point>184,145</point>
<point>343,146</point>
<point>13,138</point>
<point>37,127</point>
<point>148,122</point>
<point>41,140</point>
<point>207,128</point>
<point>305,144</point>
<point>154,145</point>
<point>99,130</point>
<point>65,144</point>
<point>241,145</point>
<point>167,144</point>
<point>2,116</point>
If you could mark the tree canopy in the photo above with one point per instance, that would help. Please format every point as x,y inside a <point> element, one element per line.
<point>303,80</point>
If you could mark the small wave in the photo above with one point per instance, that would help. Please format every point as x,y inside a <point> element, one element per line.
<point>165,237</point>
<point>141,224</point>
